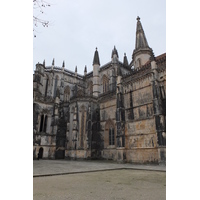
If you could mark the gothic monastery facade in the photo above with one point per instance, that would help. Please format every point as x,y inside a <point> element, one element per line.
<point>116,112</point>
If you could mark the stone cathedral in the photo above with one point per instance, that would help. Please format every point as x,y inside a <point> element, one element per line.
<point>116,112</point>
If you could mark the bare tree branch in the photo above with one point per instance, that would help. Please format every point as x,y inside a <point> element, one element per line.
<point>38,6</point>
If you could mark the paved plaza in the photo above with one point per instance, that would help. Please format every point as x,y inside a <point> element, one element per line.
<point>60,167</point>
<point>97,180</point>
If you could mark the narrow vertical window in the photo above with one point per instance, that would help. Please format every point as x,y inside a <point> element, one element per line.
<point>45,124</point>
<point>46,88</point>
<point>111,136</point>
<point>41,123</point>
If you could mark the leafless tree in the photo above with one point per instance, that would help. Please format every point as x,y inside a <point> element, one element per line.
<point>38,10</point>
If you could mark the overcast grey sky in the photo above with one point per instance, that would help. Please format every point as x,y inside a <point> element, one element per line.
<point>79,26</point>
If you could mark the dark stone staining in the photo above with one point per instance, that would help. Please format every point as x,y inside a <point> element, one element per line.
<point>34,153</point>
<point>89,127</point>
<point>120,120</point>
<point>35,115</point>
<point>159,108</point>
<point>162,156</point>
<point>61,135</point>
<point>141,113</point>
<point>119,156</point>
<point>160,127</point>
<point>37,78</point>
<point>152,143</point>
<point>124,155</point>
<point>97,142</point>
<point>163,100</point>
<point>130,111</point>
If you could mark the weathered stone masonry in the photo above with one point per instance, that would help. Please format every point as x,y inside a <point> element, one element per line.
<point>116,112</point>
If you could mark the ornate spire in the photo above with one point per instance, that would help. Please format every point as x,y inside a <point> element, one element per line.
<point>44,63</point>
<point>63,65</point>
<point>114,51</point>
<point>141,41</point>
<point>53,62</point>
<point>142,52</point>
<point>85,71</point>
<point>125,60</point>
<point>52,66</point>
<point>96,58</point>
<point>76,69</point>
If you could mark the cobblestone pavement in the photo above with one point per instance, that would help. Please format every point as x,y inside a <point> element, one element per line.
<point>120,184</point>
<point>56,167</point>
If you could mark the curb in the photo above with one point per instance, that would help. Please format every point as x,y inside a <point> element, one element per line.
<point>99,170</point>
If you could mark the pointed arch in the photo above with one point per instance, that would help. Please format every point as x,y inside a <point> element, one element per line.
<point>109,133</point>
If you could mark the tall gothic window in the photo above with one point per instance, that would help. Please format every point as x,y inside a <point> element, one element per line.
<point>105,83</point>
<point>43,123</point>
<point>111,136</point>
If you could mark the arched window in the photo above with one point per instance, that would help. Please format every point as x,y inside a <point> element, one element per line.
<point>43,123</point>
<point>67,93</point>
<point>105,81</point>
<point>109,134</point>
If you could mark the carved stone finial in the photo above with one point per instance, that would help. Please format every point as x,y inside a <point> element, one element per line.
<point>138,18</point>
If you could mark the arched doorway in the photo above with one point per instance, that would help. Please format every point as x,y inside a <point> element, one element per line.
<point>40,152</point>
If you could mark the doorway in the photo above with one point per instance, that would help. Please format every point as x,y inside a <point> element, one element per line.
<point>40,152</point>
